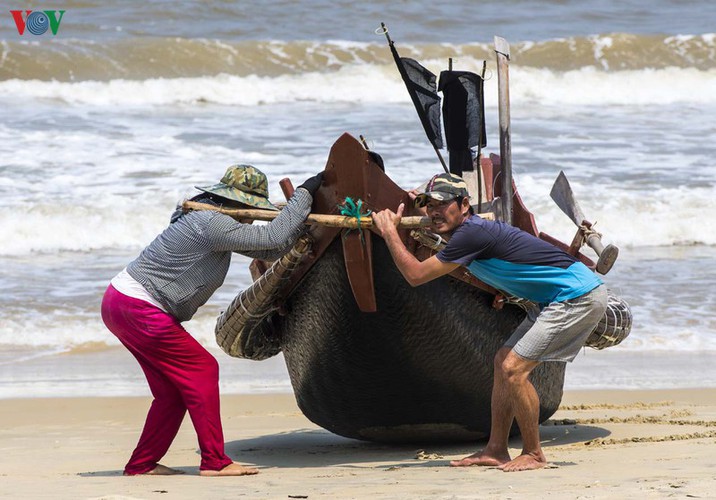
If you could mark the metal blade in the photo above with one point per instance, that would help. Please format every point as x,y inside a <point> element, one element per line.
<point>564,198</point>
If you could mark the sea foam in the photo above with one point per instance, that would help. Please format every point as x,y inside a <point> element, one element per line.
<point>378,84</point>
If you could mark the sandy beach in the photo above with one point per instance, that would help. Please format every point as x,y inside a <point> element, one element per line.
<point>617,444</point>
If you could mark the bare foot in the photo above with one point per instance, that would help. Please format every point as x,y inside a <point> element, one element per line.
<point>481,458</point>
<point>525,462</point>
<point>159,470</point>
<point>233,469</point>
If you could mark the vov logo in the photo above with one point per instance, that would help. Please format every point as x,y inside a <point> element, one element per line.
<point>37,22</point>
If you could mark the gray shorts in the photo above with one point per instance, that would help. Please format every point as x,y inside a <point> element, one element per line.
<point>559,330</point>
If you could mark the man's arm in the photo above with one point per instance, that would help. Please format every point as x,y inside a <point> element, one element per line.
<point>414,271</point>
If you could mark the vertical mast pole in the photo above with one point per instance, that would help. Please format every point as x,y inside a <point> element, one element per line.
<point>502,50</point>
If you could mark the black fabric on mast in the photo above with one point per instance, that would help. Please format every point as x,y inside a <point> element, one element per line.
<point>420,83</point>
<point>464,116</point>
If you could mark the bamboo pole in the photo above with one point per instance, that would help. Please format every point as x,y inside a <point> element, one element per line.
<point>320,219</point>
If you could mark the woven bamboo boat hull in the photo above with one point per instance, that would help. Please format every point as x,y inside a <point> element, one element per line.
<point>418,369</point>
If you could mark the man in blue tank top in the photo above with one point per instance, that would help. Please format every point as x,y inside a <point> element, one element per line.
<point>570,300</point>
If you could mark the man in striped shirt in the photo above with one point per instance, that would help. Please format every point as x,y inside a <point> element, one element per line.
<point>146,303</point>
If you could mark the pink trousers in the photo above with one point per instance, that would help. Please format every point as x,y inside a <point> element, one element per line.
<point>182,376</point>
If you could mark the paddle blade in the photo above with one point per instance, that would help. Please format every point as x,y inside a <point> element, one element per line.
<point>564,198</point>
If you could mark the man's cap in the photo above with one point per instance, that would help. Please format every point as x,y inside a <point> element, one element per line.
<point>245,184</point>
<point>441,187</point>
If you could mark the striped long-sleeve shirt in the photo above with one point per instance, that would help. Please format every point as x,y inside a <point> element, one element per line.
<point>189,260</point>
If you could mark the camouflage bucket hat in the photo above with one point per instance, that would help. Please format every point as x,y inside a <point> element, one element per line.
<point>442,187</point>
<point>245,184</point>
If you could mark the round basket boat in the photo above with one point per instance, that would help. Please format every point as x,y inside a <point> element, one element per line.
<point>418,369</point>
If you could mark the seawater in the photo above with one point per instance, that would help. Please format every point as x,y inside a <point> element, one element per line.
<point>106,125</point>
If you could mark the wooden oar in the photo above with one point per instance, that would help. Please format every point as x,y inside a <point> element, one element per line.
<point>321,219</point>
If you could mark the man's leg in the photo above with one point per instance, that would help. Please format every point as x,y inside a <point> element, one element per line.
<point>558,333</point>
<point>502,414</point>
<point>525,405</point>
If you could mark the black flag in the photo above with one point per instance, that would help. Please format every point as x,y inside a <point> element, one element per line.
<point>464,116</point>
<point>463,109</point>
<point>423,92</point>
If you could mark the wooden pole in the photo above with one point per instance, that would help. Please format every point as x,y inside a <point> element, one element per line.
<point>286,187</point>
<point>502,50</point>
<point>479,142</point>
<point>320,219</point>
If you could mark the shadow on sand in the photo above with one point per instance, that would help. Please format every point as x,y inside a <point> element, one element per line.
<point>320,448</point>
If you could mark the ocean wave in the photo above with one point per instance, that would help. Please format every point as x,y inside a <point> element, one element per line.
<point>145,58</point>
<point>627,217</point>
<point>377,84</point>
<point>79,228</point>
<point>52,332</point>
